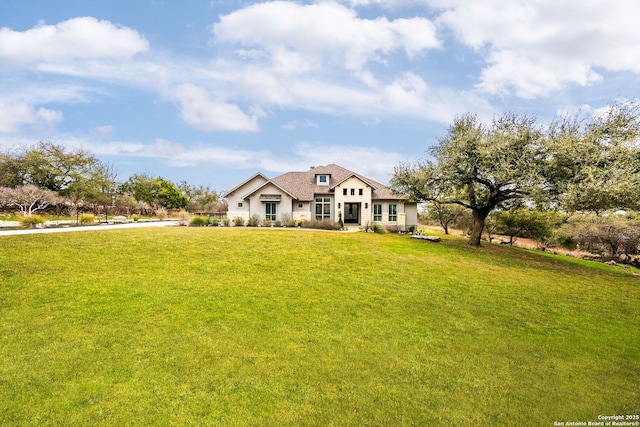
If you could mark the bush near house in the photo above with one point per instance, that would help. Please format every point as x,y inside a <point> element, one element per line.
<point>253,221</point>
<point>320,225</point>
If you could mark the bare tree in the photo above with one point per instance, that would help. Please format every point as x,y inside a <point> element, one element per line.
<point>27,198</point>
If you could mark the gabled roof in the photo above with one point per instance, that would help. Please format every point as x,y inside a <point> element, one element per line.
<point>304,187</point>
<point>228,193</point>
<point>367,181</point>
<point>254,191</point>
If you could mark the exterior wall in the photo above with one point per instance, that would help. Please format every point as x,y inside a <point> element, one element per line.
<point>411,210</point>
<point>364,200</point>
<point>284,206</point>
<point>236,197</point>
<point>301,213</point>
<point>407,214</point>
<point>332,204</point>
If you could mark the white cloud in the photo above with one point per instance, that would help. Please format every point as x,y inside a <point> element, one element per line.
<point>78,38</point>
<point>104,130</point>
<point>370,161</point>
<point>534,48</point>
<point>204,113</point>
<point>305,37</point>
<point>13,116</point>
<point>296,124</point>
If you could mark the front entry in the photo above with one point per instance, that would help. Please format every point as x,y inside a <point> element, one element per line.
<point>352,213</point>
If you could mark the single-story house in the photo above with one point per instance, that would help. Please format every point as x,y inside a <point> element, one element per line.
<point>321,193</point>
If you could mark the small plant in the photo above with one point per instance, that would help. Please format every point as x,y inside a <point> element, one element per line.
<point>199,221</point>
<point>377,228</point>
<point>287,221</point>
<point>32,221</point>
<point>87,218</point>
<point>238,221</point>
<point>161,214</point>
<point>254,220</point>
<point>340,222</point>
<point>391,229</point>
<point>183,217</point>
<point>215,221</point>
<point>567,242</point>
<point>266,222</point>
<point>225,222</point>
<point>135,217</point>
<point>278,223</point>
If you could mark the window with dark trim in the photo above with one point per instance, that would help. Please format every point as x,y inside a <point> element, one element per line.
<point>359,191</point>
<point>323,208</point>
<point>377,212</point>
<point>270,211</point>
<point>393,212</point>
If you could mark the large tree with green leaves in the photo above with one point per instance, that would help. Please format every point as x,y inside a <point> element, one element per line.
<point>199,197</point>
<point>594,164</point>
<point>157,192</point>
<point>47,165</point>
<point>478,167</point>
<point>573,164</point>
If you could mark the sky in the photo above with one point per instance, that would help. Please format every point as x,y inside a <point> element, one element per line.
<point>211,92</point>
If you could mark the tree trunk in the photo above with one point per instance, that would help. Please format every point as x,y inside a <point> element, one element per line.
<point>479,218</point>
<point>445,226</point>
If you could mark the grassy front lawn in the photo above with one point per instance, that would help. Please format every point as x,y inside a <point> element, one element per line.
<point>208,326</point>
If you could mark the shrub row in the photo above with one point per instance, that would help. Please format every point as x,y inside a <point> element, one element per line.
<point>255,221</point>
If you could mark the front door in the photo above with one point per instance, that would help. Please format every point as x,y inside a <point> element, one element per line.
<point>352,213</point>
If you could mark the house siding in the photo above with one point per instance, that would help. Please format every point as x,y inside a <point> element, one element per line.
<point>354,185</point>
<point>258,207</point>
<point>406,214</point>
<point>237,196</point>
<point>295,196</point>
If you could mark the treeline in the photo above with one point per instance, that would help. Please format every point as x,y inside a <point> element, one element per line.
<point>48,176</point>
<point>605,235</point>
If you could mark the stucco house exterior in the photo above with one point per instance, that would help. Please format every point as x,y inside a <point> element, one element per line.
<point>321,193</point>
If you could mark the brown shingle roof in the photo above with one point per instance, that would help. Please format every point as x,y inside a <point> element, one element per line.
<point>303,185</point>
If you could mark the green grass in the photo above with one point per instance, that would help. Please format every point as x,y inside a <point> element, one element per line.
<point>223,326</point>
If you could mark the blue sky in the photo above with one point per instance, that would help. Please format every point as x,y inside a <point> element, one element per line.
<point>211,92</point>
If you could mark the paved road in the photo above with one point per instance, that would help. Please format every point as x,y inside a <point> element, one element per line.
<point>88,228</point>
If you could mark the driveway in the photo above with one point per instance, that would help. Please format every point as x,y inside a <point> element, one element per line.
<point>89,228</point>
